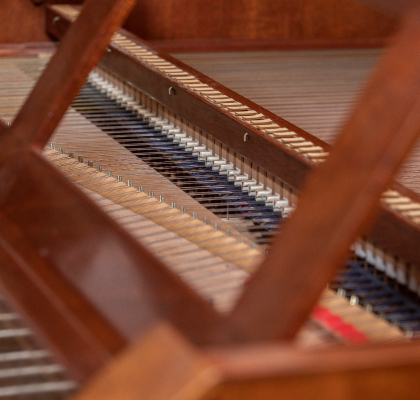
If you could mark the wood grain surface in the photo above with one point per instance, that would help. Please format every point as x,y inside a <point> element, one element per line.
<point>330,21</point>
<point>224,24</point>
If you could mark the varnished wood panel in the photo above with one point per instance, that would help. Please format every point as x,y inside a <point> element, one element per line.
<point>224,24</point>
<point>337,21</point>
<point>21,21</point>
<point>24,21</point>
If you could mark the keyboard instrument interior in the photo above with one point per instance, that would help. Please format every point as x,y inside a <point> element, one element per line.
<point>142,242</point>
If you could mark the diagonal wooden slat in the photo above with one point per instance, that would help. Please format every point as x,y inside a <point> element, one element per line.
<point>339,198</point>
<point>68,69</point>
<point>87,276</point>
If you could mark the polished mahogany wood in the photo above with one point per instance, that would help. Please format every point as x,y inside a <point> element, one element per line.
<point>159,365</point>
<point>21,21</point>
<point>276,371</point>
<point>390,230</point>
<point>24,20</point>
<point>30,281</point>
<point>334,22</point>
<point>163,365</point>
<point>340,197</point>
<point>225,25</point>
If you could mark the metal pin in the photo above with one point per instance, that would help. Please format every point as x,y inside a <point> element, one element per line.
<point>52,145</point>
<point>240,239</point>
<point>151,194</point>
<point>228,233</point>
<point>71,155</point>
<point>161,199</point>
<point>55,19</point>
<point>129,183</point>
<point>245,136</point>
<point>80,159</point>
<point>108,49</point>
<point>141,189</point>
<point>195,215</point>
<point>217,227</point>
<point>61,150</point>
<point>205,220</point>
<point>173,205</point>
<point>109,173</point>
<point>354,300</point>
<point>171,91</point>
<point>183,210</point>
<point>252,245</point>
<point>369,307</point>
<point>90,164</point>
<point>99,168</point>
<point>119,178</point>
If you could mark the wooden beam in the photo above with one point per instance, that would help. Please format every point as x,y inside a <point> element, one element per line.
<point>340,197</point>
<point>85,274</point>
<point>67,265</point>
<point>82,47</point>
